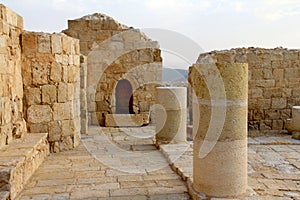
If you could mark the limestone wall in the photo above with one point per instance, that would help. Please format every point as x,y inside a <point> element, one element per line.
<point>51,77</point>
<point>116,52</point>
<point>274,80</point>
<point>83,100</point>
<point>12,124</point>
<point>143,76</point>
<point>93,29</point>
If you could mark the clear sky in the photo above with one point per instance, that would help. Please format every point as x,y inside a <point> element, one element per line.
<point>211,24</point>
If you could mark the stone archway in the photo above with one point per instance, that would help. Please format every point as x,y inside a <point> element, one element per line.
<point>101,88</point>
<point>124,97</point>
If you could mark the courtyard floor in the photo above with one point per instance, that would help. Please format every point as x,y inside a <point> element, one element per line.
<point>123,163</point>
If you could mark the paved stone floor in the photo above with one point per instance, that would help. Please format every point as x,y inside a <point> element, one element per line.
<point>273,167</point>
<point>133,169</point>
<point>124,164</point>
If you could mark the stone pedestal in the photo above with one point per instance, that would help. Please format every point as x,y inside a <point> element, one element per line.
<point>296,118</point>
<point>170,115</point>
<point>296,122</point>
<point>126,120</point>
<point>220,123</point>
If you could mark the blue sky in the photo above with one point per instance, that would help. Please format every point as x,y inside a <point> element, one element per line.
<point>212,24</point>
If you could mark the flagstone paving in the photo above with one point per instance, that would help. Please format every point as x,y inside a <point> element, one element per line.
<point>273,167</point>
<point>115,163</point>
<point>109,164</point>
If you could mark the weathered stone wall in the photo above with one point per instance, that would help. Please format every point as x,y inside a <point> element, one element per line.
<point>83,100</point>
<point>115,52</point>
<point>93,29</point>
<point>12,124</point>
<point>274,79</point>
<point>51,77</point>
<point>142,74</point>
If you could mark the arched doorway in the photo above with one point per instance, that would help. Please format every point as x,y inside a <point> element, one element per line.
<point>123,97</point>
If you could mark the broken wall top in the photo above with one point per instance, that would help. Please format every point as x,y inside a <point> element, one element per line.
<point>96,21</point>
<point>249,55</point>
<point>94,29</point>
<point>99,21</point>
<point>10,17</point>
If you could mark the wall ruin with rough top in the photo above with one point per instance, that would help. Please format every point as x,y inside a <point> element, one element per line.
<point>51,78</point>
<point>47,87</point>
<point>116,52</point>
<point>12,124</point>
<point>51,71</point>
<point>274,80</point>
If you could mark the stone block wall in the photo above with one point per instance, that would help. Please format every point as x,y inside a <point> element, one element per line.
<point>12,124</point>
<point>115,52</point>
<point>83,100</point>
<point>143,76</point>
<point>51,78</point>
<point>91,30</point>
<point>274,80</point>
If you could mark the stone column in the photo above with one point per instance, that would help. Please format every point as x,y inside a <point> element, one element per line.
<point>296,122</point>
<point>170,115</point>
<point>220,125</point>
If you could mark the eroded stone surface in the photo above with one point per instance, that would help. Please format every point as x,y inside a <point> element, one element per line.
<point>4,195</point>
<point>12,124</point>
<point>273,83</point>
<point>220,127</point>
<point>51,82</point>
<point>19,160</point>
<point>116,52</point>
<point>45,67</point>
<point>130,120</point>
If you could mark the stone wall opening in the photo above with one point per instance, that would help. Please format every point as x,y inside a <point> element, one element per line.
<point>115,52</point>
<point>124,97</point>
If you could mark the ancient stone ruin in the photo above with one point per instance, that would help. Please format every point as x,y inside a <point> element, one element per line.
<point>122,64</point>
<point>58,84</point>
<point>273,84</point>
<point>100,72</point>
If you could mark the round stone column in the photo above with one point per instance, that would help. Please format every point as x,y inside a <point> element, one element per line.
<point>170,115</point>
<point>220,125</point>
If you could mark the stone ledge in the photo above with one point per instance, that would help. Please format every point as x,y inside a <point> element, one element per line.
<point>127,120</point>
<point>4,195</point>
<point>296,135</point>
<point>19,160</point>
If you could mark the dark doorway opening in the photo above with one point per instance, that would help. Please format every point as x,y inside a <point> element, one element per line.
<point>124,98</point>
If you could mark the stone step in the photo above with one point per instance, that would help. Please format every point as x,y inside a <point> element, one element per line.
<point>4,195</point>
<point>126,120</point>
<point>19,160</point>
